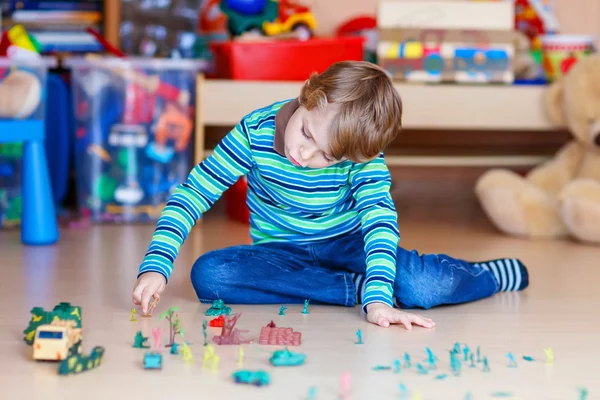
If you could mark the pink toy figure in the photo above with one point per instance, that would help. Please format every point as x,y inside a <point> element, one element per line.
<point>279,336</point>
<point>345,385</point>
<point>156,335</point>
<point>229,335</point>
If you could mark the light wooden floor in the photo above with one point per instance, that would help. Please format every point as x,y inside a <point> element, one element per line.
<point>96,269</point>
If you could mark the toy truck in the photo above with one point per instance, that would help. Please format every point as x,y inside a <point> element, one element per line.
<point>272,17</point>
<point>53,342</point>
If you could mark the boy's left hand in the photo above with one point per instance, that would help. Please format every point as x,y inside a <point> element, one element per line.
<point>384,315</point>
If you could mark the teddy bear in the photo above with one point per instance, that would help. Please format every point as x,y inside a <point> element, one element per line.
<point>561,197</point>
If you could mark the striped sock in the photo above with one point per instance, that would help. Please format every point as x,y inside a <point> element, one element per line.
<point>359,286</point>
<point>510,273</point>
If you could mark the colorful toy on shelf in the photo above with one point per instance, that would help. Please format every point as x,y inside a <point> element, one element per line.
<point>63,314</point>
<point>535,18</point>
<point>279,337</point>
<point>218,308</point>
<point>76,362</point>
<point>287,358</point>
<point>271,17</point>
<point>366,27</point>
<point>230,334</point>
<point>257,378</point>
<point>448,46</point>
<point>174,324</point>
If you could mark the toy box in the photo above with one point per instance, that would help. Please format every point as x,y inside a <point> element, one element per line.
<point>134,120</point>
<point>282,59</point>
<point>441,41</point>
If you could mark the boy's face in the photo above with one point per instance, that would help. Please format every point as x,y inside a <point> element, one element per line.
<point>307,138</point>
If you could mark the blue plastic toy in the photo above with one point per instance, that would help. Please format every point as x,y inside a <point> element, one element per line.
<point>38,222</point>
<point>247,7</point>
<point>152,361</point>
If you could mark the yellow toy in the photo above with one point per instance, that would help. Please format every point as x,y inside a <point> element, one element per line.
<point>241,357</point>
<point>562,196</point>
<point>52,342</point>
<point>186,353</point>
<point>209,352</point>
<point>133,319</point>
<point>549,356</point>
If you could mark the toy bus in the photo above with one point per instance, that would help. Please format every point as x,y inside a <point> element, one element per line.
<point>52,342</point>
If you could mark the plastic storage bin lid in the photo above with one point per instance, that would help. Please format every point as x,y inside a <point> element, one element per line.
<point>46,61</point>
<point>139,62</point>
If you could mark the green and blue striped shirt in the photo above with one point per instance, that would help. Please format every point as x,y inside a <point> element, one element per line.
<point>286,203</point>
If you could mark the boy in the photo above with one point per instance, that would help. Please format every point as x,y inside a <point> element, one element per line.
<point>323,224</point>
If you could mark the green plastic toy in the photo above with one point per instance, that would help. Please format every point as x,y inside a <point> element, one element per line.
<point>238,23</point>
<point>76,363</point>
<point>218,308</point>
<point>61,312</point>
<point>258,378</point>
<point>139,342</point>
<point>283,358</point>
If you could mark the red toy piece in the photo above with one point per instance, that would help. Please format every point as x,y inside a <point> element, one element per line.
<point>217,322</point>
<point>279,336</point>
<point>288,8</point>
<point>229,335</point>
<point>271,324</point>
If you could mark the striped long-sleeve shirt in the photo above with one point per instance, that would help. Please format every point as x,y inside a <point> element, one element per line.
<point>286,203</point>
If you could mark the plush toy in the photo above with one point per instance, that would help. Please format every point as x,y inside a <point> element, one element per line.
<point>562,196</point>
<point>20,94</point>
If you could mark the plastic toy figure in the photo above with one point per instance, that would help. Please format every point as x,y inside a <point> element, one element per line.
<point>486,366</point>
<point>466,353</point>
<point>431,358</point>
<point>359,335</point>
<point>528,358</point>
<point>218,308</point>
<point>478,354</point>
<point>258,378</point>
<point>282,310</point>
<point>156,335</point>
<point>407,360</point>
<point>209,352</point>
<point>151,306</point>
<point>287,358</point>
<point>456,348</point>
<point>174,324</point>
<point>186,353</point>
<point>229,334</point>
<point>512,363</point>
<point>174,349</point>
<point>240,356</point>
<point>345,385</point>
<point>139,341</point>
<point>279,337</point>
<point>271,324</point>
<point>133,319</point>
<point>305,309</point>
<point>549,357</point>
<point>396,366</point>
<point>403,390</point>
<point>472,357</point>
<point>204,324</point>
<point>421,370</point>
<point>455,363</point>
<point>312,393</point>
<point>583,393</point>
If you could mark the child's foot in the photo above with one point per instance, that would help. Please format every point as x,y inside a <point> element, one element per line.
<point>510,273</point>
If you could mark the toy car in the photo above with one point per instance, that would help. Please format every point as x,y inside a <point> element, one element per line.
<point>285,357</point>
<point>152,361</point>
<point>258,378</point>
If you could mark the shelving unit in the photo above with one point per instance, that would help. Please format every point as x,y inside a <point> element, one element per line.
<point>436,107</point>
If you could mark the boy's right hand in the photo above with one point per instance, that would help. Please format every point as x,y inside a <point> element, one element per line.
<point>150,284</point>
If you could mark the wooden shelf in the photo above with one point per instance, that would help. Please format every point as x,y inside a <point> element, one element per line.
<point>225,102</point>
<point>443,107</point>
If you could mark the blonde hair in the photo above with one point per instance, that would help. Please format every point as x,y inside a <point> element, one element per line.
<point>369,109</point>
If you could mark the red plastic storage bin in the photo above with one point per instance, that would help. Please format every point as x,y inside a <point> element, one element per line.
<point>282,60</point>
<point>235,201</point>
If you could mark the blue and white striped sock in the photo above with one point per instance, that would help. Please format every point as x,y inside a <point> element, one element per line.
<point>359,286</point>
<point>510,273</point>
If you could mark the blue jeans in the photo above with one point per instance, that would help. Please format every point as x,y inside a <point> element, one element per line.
<point>289,273</point>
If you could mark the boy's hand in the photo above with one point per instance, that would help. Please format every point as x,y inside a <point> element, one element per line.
<point>150,284</point>
<point>384,315</point>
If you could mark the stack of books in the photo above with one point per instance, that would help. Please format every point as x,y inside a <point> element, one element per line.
<point>58,25</point>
